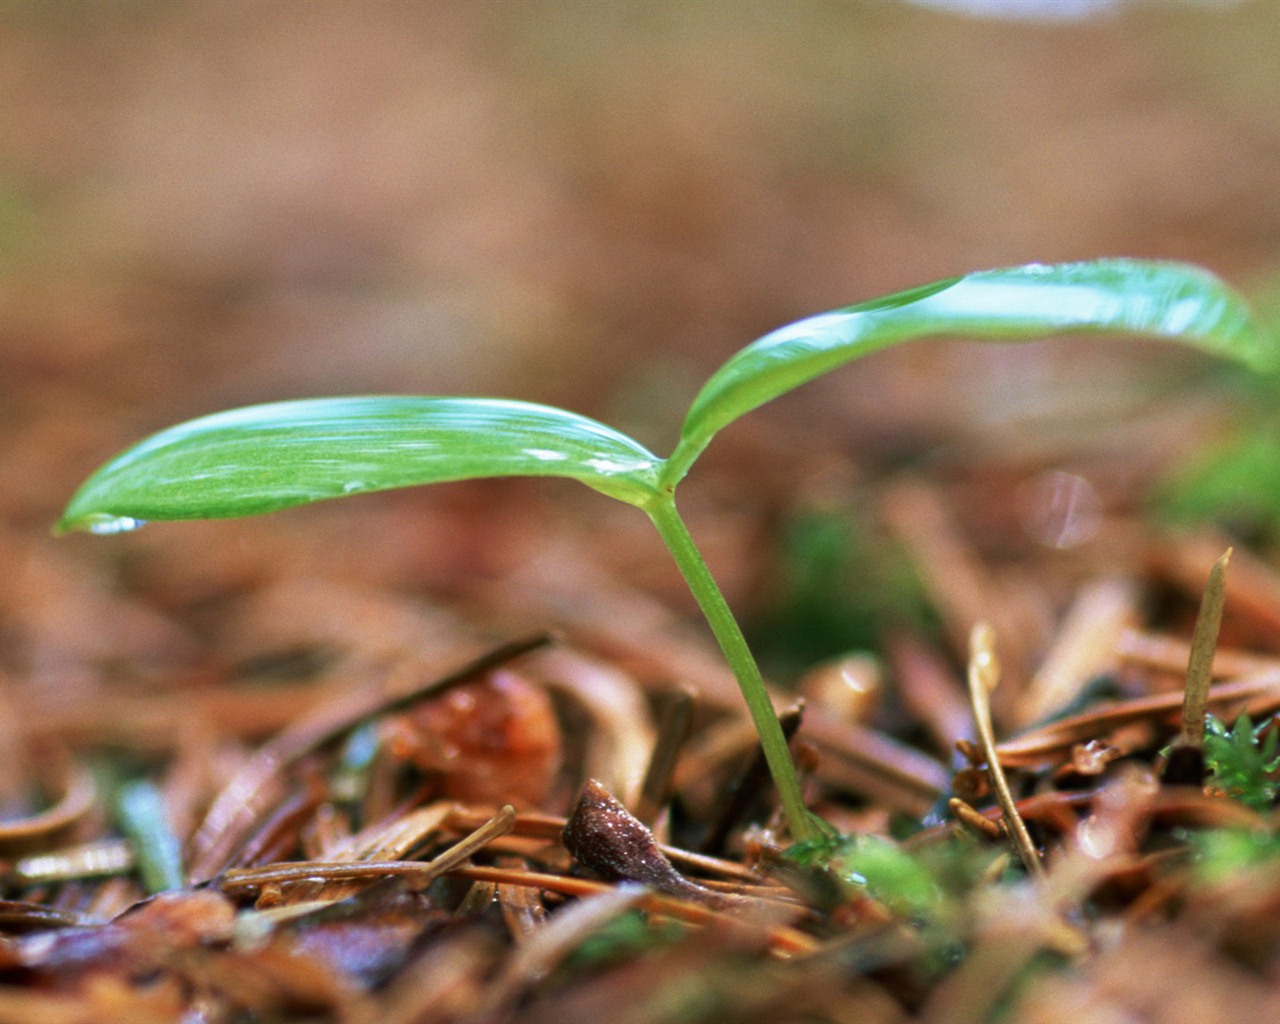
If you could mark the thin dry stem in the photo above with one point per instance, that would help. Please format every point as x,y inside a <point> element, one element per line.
<point>984,675</point>
<point>1258,694</point>
<point>1204,641</point>
<point>781,938</point>
<point>420,872</point>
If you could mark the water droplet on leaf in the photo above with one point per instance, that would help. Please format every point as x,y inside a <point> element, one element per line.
<point>105,525</point>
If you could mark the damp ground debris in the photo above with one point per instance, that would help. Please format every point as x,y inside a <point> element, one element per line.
<point>315,789</point>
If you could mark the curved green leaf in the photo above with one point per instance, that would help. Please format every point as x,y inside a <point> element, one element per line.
<point>1167,300</point>
<point>268,457</point>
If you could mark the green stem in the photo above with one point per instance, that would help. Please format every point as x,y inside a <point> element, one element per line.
<point>675,534</point>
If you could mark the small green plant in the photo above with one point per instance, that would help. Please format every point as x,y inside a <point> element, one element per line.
<point>270,457</point>
<point>1242,760</point>
<point>901,882</point>
<point>1231,854</point>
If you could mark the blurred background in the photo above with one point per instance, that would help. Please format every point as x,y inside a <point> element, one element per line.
<point>207,204</point>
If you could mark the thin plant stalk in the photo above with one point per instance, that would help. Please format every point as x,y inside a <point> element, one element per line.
<point>728,634</point>
<point>1185,764</point>
<point>984,676</point>
<point>1204,642</point>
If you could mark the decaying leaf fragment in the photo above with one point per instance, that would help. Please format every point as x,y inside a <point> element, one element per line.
<point>492,740</point>
<point>605,837</point>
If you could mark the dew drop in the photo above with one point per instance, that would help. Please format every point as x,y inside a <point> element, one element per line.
<point>105,525</point>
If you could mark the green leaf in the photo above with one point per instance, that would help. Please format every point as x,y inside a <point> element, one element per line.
<point>268,457</point>
<point>1168,300</point>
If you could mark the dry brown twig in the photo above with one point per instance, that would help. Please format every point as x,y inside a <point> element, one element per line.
<point>984,676</point>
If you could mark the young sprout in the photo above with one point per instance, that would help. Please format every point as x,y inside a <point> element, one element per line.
<point>270,457</point>
<point>1242,760</point>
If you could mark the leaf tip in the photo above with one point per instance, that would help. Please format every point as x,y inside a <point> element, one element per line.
<point>102,524</point>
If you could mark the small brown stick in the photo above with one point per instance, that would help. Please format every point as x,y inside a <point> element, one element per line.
<point>383,841</point>
<point>241,880</point>
<point>1185,764</point>
<point>100,858</point>
<point>976,821</point>
<point>248,879</point>
<point>1204,640</point>
<point>29,916</point>
<point>984,675</point>
<point>782,938</point>
<point>1259,694</point>
<point>1171,806</point>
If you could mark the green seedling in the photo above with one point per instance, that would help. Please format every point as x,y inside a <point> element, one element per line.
<point>270,457</point>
